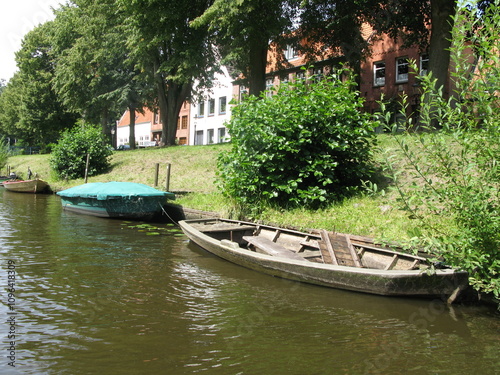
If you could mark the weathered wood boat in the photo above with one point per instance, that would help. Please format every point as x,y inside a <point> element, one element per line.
<point>325,258</point>
<point>127,200</point>
<point>26,186</point>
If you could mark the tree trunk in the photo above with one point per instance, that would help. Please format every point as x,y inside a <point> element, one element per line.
<point>131,137</point>
<point>440,41</point>
<point>257,68</point>
<point>171,95</point>
<point>104,123</point>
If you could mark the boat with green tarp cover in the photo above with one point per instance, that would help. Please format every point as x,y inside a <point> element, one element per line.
<point>128,200</point>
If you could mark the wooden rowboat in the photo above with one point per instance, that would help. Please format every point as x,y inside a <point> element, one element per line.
<point>26,186</point>
<point>325,258</point>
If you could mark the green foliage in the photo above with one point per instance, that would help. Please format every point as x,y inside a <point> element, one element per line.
<point>4,152</point>
<point>457,169</point>
<point>69,156</point>
<point>306,145</point>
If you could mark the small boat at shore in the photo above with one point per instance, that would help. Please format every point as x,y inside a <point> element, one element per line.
<point>126,200</point>
<point>324,258</point>
<point>26,186</point>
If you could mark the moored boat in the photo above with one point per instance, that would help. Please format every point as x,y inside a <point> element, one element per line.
<point>127,200</point>
<point>26,186</point>
<point>325,258</point>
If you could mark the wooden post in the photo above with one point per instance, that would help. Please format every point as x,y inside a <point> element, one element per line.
<point>157,168</point>
<point>87,167</point>
<point>167,182</point>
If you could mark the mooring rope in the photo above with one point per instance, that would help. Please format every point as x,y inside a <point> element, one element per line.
<point>166,213</point>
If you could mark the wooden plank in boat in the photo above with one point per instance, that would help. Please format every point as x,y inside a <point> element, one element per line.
<point>223,228</point>
<point>271,248</point>
<point>326,249</point>
<point>340,249</point>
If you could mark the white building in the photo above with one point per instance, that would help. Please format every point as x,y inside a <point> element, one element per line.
<point>208,116</point>
<point>142,130</point>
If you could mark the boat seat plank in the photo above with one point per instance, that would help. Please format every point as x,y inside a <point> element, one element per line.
<point>339,249</point>
<point>271,248</point>
<point>326,249</point>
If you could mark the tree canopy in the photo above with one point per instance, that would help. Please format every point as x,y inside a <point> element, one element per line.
<point>98,58</point>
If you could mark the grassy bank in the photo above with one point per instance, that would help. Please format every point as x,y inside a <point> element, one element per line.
<point>193,171</point>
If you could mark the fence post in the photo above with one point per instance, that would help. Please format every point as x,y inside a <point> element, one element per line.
<point>157,167</point>
<point>87,167</point>
<point>167,182</point>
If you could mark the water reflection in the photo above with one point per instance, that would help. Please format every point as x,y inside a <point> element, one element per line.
<point>97,296</point>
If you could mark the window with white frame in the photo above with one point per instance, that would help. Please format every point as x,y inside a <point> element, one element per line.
<point>210,136</point>
<point>318,74</point>
<point>221,135</point>
<point>198,138</point>
<point>424,64</point>
<point>211,107</point>
<point>222,105</point>
<point>290,53</point>
<point>201,108</point>
<point>379,73</point>
<point>243,93</point>
<point>300,75</point>
<point>402,69</point>
<point>269,86</point>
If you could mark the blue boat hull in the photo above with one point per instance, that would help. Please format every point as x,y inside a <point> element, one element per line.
<point>125,208</point>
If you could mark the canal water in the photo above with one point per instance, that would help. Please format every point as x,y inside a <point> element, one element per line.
<point>84,295</point>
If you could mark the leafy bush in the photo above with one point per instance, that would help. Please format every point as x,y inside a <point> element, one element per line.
<point>69,156</point>
<point>457,169</point>
<point>306,145</point>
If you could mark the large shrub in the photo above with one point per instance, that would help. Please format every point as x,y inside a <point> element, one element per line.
<point>308,144</point>
<point>456,169</point>
<point>69,156</point>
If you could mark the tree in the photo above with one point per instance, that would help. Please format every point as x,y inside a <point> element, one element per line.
<point>95,74</point>
<point>31,110</point>
<point>427,24</point>
<point>165,46</point>
<point>243,31</point>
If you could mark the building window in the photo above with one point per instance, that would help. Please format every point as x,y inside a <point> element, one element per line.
<point>379,73</point>
<point>243,93</point>
<point>221,135</point>
<point>424,64</point>
<point>184,122</point>
<point>201,109</point>
<point>211,107</point>
<point>290,53</point>
<point>182,141</point>
<point>222,105</point>
<point>157,117</point>
<point>198,140</point>
<point>318,74</point>
<point>269,87</point>
<point>210,136</point>
<point>178,123</point>
<point>300,75</point>
<point>402,69</point>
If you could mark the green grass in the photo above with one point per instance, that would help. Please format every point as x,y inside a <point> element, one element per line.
<point>193,171</point>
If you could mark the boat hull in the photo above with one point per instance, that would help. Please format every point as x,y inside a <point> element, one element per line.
<point>127,200</point>
<point>440,283</point>
<point>139,208</point>
<point>29,186</point>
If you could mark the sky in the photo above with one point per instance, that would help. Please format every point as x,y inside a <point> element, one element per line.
<point>18,17</point>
